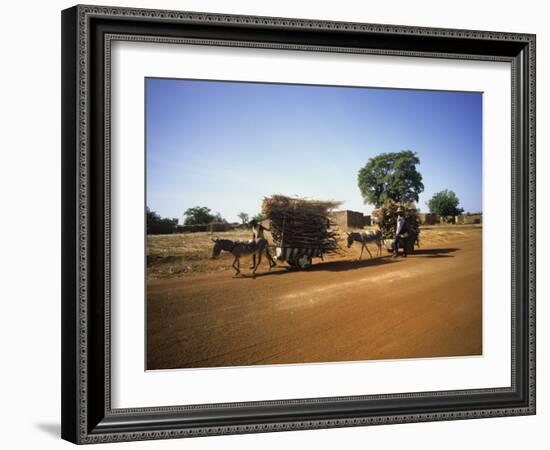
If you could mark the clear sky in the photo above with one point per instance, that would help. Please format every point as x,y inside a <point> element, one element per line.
<point>226,145</point>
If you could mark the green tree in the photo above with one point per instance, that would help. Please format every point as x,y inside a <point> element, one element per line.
<point>218,218</point>
<point>391,176</point>
<point>444,203</point>
<point>259,217</point>
<point>159,225</point>
<point>198,215</point>
<point>244,217</point>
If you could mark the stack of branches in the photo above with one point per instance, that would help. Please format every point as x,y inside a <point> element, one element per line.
<point>301,223</point>
<point>386,216</point>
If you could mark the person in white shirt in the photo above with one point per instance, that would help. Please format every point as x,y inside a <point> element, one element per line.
<point>257,229</point>
<point>258,233</point>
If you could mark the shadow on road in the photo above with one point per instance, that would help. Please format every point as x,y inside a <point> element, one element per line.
<point>353,264</point>
<point>435,252</point>
<point>330,266</point>
<point>337,266</point>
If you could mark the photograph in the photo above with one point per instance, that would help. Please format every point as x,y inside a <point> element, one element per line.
<point>301,223</point>
<point>276,220</point>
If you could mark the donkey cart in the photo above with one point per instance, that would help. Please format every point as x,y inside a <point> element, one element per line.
<point>408,243</point>
<point>298,253</point>
<point>301,229</point>
<point>298,257</point>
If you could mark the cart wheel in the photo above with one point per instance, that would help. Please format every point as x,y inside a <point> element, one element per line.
<point>292,265</point>
<point>410,245</point>
<point>304,262</point>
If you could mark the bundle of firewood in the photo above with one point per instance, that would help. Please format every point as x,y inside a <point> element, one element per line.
<point>386,217</point>
<point>296,222</point>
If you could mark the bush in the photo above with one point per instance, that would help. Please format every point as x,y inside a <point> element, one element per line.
<point>219,226</point>
<point>160,225</point>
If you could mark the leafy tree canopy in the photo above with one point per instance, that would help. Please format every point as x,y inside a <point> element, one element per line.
<point>199,215</point>
<point>391,176</point>
<point>244,217</point>
<point>444,203</point>
<point>259,217</point>
<point>218,218</point>
<point>159,225</point>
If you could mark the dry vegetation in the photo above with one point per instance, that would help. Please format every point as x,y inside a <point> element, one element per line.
<point>302,222</point>
<point>387,213</point>
<point>177,255</point>
<point>185,253</point>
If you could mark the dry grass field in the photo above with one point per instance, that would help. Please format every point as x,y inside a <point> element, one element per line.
<point>184,254</point>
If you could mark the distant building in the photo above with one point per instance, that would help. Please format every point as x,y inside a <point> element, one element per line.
<point>428,218</point>
<point>447,220</point>
<point>351,219</point>
<point>468,219</point>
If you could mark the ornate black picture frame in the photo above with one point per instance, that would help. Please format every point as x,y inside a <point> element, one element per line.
<point>87,33</point>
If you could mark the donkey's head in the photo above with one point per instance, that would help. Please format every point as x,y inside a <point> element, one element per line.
<point>350,239</point>
<point>217,249</point>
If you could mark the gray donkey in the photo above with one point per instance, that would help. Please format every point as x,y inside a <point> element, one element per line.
<point>254,247</point>
<point>364,238</point>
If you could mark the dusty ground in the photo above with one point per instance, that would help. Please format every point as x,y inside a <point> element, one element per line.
<point>427,305</point>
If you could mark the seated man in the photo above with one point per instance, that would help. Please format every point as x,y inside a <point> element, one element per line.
<point>401,233</point>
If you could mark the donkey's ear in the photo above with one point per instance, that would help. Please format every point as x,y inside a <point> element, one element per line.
<point>214,240</point>
<point>347,233</point>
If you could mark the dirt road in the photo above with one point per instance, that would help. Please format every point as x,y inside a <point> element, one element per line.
<point>426,305</point>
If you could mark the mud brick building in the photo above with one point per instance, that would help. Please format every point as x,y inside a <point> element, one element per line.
<point>428,218</point>
<point>351,219</point>
<point>468,219</point>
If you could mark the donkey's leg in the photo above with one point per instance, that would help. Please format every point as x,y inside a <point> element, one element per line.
<point>362,247</point>
<point>367,247</point>
<point>272,263</point>
<point>259,261</point>
<point>236,265</point>
<point>253,261</point>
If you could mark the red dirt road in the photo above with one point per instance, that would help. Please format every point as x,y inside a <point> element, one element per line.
<point>426,305</point>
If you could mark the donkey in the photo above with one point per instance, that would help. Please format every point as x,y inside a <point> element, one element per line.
<point>364,238</point>
<point>239,248</point>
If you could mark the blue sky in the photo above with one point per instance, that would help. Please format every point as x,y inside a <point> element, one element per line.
<point>226,145</point>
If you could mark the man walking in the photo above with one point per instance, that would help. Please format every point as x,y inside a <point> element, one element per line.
<point>257,229</point>
<point>258,233</point>
<point>401,233</point>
